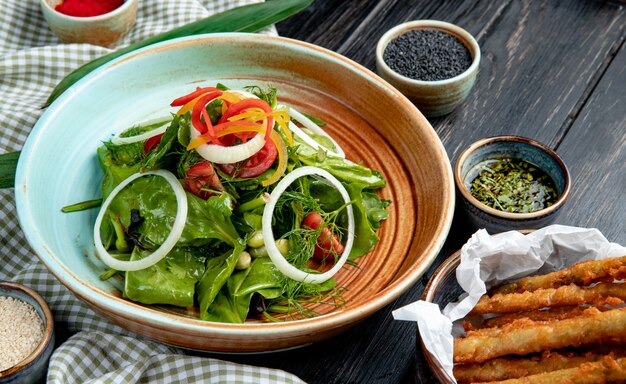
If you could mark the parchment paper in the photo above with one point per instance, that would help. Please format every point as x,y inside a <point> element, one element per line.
<point>488,260</point>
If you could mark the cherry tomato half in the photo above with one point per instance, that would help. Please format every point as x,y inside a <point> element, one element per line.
<point>201,178</point>
<point>328,244</point>
<point>152,143</point>
<point>255,165</point>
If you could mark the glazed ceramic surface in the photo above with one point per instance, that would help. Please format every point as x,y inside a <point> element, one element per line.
<point>482,216</point>
<point>103,30</point>
<point>433,98</point>
<point>373,123</point>
<point>34,367</point>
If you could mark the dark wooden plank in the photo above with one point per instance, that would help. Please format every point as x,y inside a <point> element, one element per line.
<point>327,23</point>
<point>595,150</point>
<point>538,59</point>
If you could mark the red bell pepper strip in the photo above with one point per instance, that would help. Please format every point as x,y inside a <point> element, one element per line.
<point>152,143</point>
<point>250,103</point>
<point>196,112</point>
<point>190,96</point>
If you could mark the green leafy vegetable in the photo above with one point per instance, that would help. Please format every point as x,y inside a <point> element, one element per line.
<point>233,301</point>
<point>343,169</point>
<point>217,272</point>
<point>170,281</point>
<point>219,227</point>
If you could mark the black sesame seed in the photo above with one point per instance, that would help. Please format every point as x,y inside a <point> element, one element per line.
<point>427,54</point>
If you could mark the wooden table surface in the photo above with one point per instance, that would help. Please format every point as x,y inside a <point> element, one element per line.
<point>551,70</point>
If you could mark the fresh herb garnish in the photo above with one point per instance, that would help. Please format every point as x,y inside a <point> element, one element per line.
<point>513,185</point>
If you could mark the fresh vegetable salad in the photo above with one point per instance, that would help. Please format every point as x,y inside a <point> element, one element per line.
<point>235,204</point>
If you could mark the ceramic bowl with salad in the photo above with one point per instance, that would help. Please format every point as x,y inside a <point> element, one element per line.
<point>235,209</point>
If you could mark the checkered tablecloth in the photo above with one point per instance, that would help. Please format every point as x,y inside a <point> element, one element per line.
<point>32,62</point>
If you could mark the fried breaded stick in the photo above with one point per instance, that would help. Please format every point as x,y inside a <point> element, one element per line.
<point>607,370</point>
<point>549,314</point>
<point>601,293</point>
<point>523,337</point>
<point>582,273</point>
<point>504,368</point>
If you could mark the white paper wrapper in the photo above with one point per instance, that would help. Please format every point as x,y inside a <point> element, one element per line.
<point>489,260</point>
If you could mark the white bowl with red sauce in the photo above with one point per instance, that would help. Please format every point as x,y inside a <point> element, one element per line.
<point>101,29</point>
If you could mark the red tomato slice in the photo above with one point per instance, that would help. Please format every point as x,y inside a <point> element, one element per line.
<point>328,244</point>
<point>152,143</point>
<point>201,178</point>
<point>255,165</point>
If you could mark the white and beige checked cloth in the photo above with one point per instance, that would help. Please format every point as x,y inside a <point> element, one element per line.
<point>32,62</point>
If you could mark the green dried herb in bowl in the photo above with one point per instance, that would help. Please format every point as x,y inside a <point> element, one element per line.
<point>510,182</point>
<point>513,185</point>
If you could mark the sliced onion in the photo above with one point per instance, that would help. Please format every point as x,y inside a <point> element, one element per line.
<point>118,140</point>
<point>170,241</point>
<point>299,117</point>
<point>268,235</point>
<point>228,155</point>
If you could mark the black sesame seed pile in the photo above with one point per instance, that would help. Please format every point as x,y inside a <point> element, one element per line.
<point>428,55</point>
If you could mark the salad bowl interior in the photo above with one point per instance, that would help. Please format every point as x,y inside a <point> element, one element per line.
<point>372,122</point>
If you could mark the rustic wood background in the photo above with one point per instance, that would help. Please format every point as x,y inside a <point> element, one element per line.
<point>551,70</point>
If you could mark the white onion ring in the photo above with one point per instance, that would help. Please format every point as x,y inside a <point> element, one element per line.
<point>118,140</point>
<point>299,117</point>
<point>268,235</point>
<point>228,155</point>
<point>170,241</point>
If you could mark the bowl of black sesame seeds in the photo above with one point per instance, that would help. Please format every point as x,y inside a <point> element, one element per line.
<point>26,335</point>
<point>432,62</point>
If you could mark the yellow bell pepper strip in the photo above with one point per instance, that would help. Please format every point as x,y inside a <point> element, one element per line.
<point>244,104</point>
<point>255,114</point>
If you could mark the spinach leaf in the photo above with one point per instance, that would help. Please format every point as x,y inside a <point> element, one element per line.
<point>170,281</point>
<point>343,169</point>
<point>218,270</point>
<point>365,237</point>
<point>153,197</point>
<point>233,300</point>
<point>114,172</point>
<point>375,208</point>
<point>157,157</point>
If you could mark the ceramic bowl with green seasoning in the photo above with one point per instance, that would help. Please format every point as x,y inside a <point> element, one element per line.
<point>431,62</point>
<point>142,84</point>
<point>104,30</point>
<point>510,182</point>
<point>27,327</point>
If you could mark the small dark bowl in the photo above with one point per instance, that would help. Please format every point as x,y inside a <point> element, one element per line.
<point>480,215</point>
<point>34,367</point>
<point>433,98</point>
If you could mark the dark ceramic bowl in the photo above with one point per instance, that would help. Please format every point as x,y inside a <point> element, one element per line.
<point>482,216</point>
<point>433,98</point>
<point>34,367</point>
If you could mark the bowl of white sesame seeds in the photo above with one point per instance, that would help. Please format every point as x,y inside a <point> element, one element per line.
<point>26,334</point>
